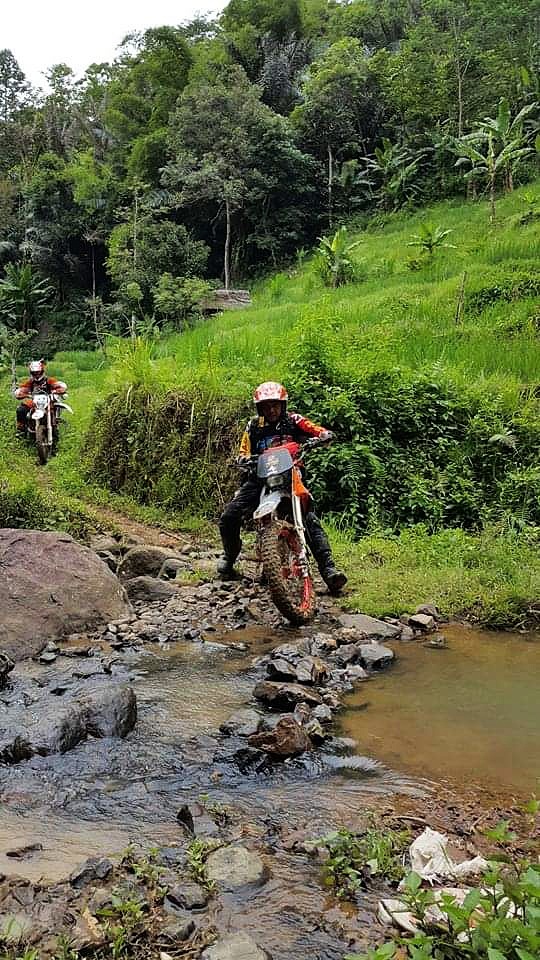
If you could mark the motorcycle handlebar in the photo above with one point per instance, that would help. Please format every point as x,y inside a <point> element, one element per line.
<point>250,463</point>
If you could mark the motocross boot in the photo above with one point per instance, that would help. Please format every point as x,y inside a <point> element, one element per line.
<point>334,579</point>
<point>225,569</point>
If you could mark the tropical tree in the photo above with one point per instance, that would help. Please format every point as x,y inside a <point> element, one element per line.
<point>340,112</point>
<point>334,258</point>
<point>236,164</point>
<point>495,148</point>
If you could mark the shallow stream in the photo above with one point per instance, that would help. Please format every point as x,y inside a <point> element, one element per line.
<point>471,711</point>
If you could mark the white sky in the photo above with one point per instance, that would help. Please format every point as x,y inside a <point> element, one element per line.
<point>41,33</point>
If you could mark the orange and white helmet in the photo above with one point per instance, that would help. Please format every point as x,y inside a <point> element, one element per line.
<point>36,369</point>
<point>270,390</point>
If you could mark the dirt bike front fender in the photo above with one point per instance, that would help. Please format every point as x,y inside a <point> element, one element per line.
<point>268,505</point>
<point>38,414</point>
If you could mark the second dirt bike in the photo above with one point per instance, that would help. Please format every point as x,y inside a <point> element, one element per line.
<point>281,535</point>
<point>44,428</point>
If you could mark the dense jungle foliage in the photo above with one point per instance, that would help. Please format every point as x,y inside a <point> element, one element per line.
<point>216,149</point>
<point>375,160</point>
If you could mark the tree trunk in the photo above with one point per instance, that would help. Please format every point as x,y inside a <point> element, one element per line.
<point>492,198</point>
<point>330,185</point>
<point>94,304</point>
<point>227,257</point>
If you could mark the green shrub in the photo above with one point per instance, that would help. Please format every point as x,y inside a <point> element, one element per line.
<point>514,282</point>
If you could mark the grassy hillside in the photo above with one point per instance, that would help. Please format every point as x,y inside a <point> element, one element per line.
<point>436,404</point>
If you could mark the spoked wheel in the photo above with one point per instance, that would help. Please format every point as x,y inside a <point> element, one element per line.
<point>42,443</point>
<point>292,593</point>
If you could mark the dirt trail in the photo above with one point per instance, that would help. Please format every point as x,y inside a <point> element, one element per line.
<point>151,534</point>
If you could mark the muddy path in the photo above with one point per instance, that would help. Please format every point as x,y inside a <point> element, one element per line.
<point>194,658</point>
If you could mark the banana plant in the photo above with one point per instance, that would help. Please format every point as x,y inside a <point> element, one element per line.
<point>396,167</point>
<point>507,131</point>
<point>430,238</point>
<point>488,163</point>
<point>335,261</point>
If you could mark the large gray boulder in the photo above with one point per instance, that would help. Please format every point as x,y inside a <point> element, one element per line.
<point>51,586</point>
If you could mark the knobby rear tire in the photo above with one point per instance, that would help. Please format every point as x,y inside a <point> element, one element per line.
<point>272,563</point>
<point>42,443</point>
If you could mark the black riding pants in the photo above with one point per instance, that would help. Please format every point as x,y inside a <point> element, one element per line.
<point>242,507</point>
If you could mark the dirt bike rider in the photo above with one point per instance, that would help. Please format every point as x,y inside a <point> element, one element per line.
<point>38,382</point>
<point>272,426</point>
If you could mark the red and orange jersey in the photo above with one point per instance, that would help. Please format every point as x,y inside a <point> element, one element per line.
<point>258,435</point>
<point>28,387</point>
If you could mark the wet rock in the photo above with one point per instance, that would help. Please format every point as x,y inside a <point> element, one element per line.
<point>41,600</point>
<point>110,711</point>
<point>311,670</point>
<point>24,853</point>
<point>47,657</point>
<point>285,695</point>
<point>302,713</point>
<point>149,589</point>
<point>6,666</point>
<point>196,820</point>
<point>346,654</point>
<point>422,621</point>
<point>429,610</point>
<point>95,868</point>
<point>436,642</point>
<point>314,731</point>
<point>331,700</point>
<point>407,633</point>
<point>369,627</point>
<point>280,669</point>
<point>48,727</point>
<point>323,713</point>
<point>180,926</point>
<point>375,655</point>
<point>235,946</point>
<point>144,561</point>
<point>233,867</point>
<point>356,673</point>
<point>188,896</point>
<point>287,739</point>
<point>243,723</point>
<point>323,643</point>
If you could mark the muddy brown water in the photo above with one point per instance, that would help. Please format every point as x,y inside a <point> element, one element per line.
<point>469,710</point>
<point>468,713</point>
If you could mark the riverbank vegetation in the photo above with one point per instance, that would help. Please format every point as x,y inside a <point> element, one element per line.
<point>281,140</point>
<point>430,493</point>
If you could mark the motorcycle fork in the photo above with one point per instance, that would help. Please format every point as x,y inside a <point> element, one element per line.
<point>49,426</point>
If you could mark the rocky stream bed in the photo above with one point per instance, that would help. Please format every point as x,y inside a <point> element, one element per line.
<point>166,765</point>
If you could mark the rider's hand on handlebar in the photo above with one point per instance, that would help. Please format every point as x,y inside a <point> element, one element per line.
<point>325,437</point>
<point>246,463</point>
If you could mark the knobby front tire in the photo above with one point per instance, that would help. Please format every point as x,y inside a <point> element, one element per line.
<point>42,443</point>
<point>287,592</point>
